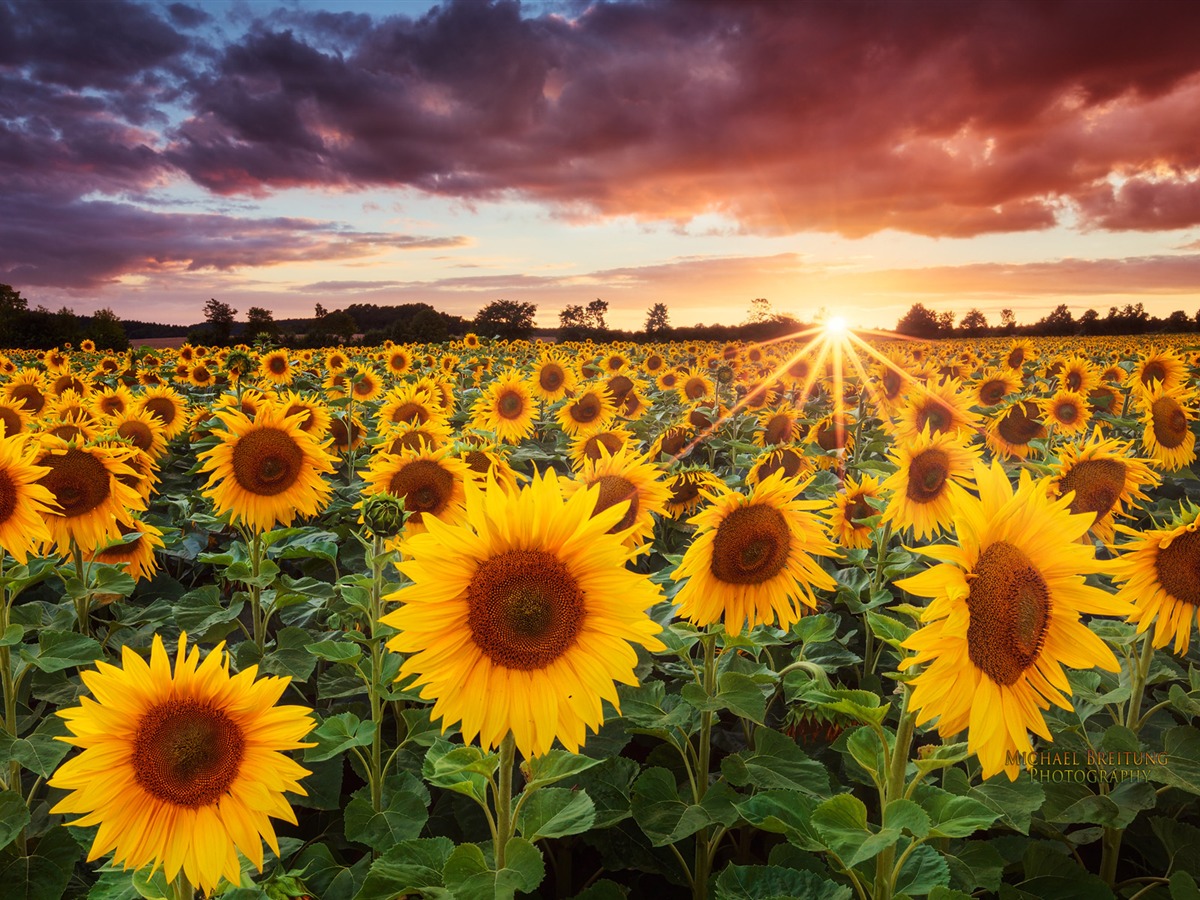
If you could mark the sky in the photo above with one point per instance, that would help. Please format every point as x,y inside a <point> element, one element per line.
<point>853,157</point>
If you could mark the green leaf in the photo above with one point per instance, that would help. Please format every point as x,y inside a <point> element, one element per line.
<point>603,890</point>
<point>402,817</point>
<point>610,785</point>
<point>841,821</point>
<point>407,868</point>
<point>953,816</point>
<point>203,616</point>
<point>338,734</point>
<point>783,812</point>
<point>555,812</point>
<point>924,870</point>
<point>905,815</point>
<point>1183,886</point>
<point>460,769</point>
<point>328,879</point>
<point>13,635</point>
<point>891,631</point>
<point>45,872</point>
<point>1182,770</point>
<point>59,650</point>
<point>469,877</point>
<point>38,752</point>
<point>774,883</point>
<point>335,651</point>
<point>666,818</point>
<point>976,865</point>
<point>777,762</point>
<point>1071,803</point>
<point>866,749</point>
<point>14,815</point>
<point>1014,801</point>
<point>552,767</point>
<point>290,656</point>
<point>740,694</point>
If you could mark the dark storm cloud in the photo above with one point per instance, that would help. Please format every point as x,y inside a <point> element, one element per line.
<point>944,119</point>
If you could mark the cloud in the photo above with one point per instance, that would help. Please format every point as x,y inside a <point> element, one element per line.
<point>82,244</point>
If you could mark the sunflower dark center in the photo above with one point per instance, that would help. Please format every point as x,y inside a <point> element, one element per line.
<point>927,474</point>
<point>1009,611</point>
<point>1154,371</point>
<point>162,407</point>
<point>424,486</point>
<point>654,362</point>
<point>28,397</point>
<point>858,508</point>
<point>1074,380</point>
<point>267,461</point>
<point>613,490</point>
<point>364,387</point>
<point>683,492</point>
<point>10,422</point>
<point>187,753</point>
<point>992,392</point>
<point>1016,358</point>
<point>786,460</point>
<point>604,440</point>
<point>278,365</point>
<point>695,388</point>
<point>751,545</point>
<point>68,383</point>
<point>586,409</point>
<point>798,369</point>
<point>1178,568</point>
<point>111,405</point>
<point>1169,422</point>
<point>1067,412</point>
<point>827,437</point>
<point>477,461</point>
<point>296,409</point>
<point>551,377</point>
<point>78,481</point>
<point>343,436</point>
<point>201,373</point>
<point>620,385</point>
<point>525,609</point>
<point>410,412</point>
<point>1097,484</point>
<point>1017,427</point>
<point>673,441</point>
<point>510,405</point>
<point>778,430</point>
<point>137,432</point>
<point>8,497</point>
<point>936,415</point>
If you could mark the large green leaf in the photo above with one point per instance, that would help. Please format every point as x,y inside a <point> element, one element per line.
<point>774,883</point>
<point>665,817</point>
<point>555,812</point>
<point>338,734</point>
<point>404,813</point>
<point>776,762</point>
<point>407,868</point>
<point>469,875</point>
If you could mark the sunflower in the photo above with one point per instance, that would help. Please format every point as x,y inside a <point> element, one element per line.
<point>788,460</point>
<point>942,408</point>
<point>1157,573</point>
<point>505,408</point>
<point>674,443</point>
<point>486,461</point>
<point>347,433</point>
<point>91,500</point>
<point>111,402</point>
<point>1104,479</point>
<point>430,482</point>
<point>1104,398</point>
<point>27,390</point>
<point>182,769</point>
<point>688,488</point>
<point>201,375</point>
<point>752,561</point>
<point>409,403</point>
<point>780,425</point>
<point>314,416</point>
<point>14,419</point>
<point>1168,436</point>
<point>336,361</point>
<point>134,551</point>
<point>1079,375</point>
<point>471,341</point>
<point>276,367</point>
<point>25,503</point>
<point>1161,366</point>
<point>168,406</point>
<point>994,385</point>
<point>1011,430</point>
<point>265,471</point>
<point>1004,618</point>
<point>590,410</point>
<point>142,430</point>
<point>653,363</point>
<point>621,477</point>
<point>521,618</point>
<point>693,386</point>
<point>928,482</point>
<point>667,381</point>
<point>849,507</point>
<point>1019,353</point>
<point>1068,411</point>
<point>407,436</point>
<point>593,445</point>
<point>365,385</point>
<point>552,378</point>
<point>835,435</point>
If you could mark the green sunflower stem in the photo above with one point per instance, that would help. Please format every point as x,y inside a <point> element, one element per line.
<point>376,673</point>
<point>83,603</point>
<point>181,888</point>
<point>504,816</point>
<point>703,863</point>
<point>256,613</point>
<point>894,788</point>
<point>1110,852</point>
<point>8,684</point>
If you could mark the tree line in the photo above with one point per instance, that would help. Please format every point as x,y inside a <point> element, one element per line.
<point>1132,318</point>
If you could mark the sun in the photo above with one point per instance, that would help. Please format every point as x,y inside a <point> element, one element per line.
<point>836,325</point>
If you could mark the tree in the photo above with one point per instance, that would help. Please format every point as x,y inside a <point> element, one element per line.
<point>574,316</point>
<point>1060,322</point>
<point>106,331</point>
<point>760,311</point>
<point>596,311</point>
<point>919,321</point>
<point>260,321</point>
<point>657,321</point>
<point>339,324</point>
<point>1008,321</point>
<point>320,312</point>
<point>946,322</point>
<point>220,320</point>
<point>1177,322</point>
<point>506,319</point>
<point>973,324</point>
<point>1089,322</point>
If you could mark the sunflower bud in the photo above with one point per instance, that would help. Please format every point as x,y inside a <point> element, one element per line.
<point>384,514</point>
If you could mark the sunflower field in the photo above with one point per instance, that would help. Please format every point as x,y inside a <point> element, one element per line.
<point>818,618</point>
